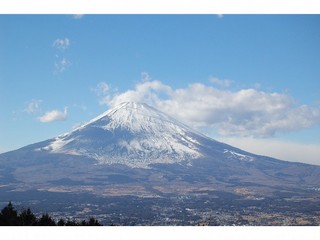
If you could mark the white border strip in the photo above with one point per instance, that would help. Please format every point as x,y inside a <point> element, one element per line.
<point>140,233</point>
<point>158,6</point>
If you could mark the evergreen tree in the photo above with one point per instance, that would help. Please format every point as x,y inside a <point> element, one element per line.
<point>93,222</point>
<point>46,220</point>
<point>9,216</point>
<point>83,223</point>
<point>61,222</point>
<point>27,218</point>
<point>71,223</point>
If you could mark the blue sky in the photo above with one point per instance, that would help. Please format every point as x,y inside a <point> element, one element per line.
<point>249,80</point>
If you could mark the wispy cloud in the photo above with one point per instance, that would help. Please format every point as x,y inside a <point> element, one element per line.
<point>62,64</point>
<point>221,82</point>
<point>246,112</point>
<point>54,115</point>
<point>103,88</point>
<point>145,77</point>
<point>102,91</point>
<point>61,44</point>
<point>33,106</point>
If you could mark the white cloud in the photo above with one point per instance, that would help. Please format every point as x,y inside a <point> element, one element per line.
<point>102,91</point>
<point>220,82</point>
<point>290,151</point>
<point>247,112</point>
<point>33,106</point>
<point>103,88</point>
<point>61,65</point>
<point>145,77</point>
<point>54,115</point>
<point>61,44</point>
<point>151,92</point>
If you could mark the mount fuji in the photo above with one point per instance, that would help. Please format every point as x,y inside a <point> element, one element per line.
<point>133,134</point>
<point>137,150</point>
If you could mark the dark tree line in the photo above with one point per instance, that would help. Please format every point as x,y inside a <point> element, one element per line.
<point>10,217</point>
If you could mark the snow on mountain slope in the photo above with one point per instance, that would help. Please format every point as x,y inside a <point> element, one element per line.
<point>134,134</point>
<point>239,156</point>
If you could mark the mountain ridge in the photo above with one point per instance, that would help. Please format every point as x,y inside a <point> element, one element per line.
<point>139,142</point>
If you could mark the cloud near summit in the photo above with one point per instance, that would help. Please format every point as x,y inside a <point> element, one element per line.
<point>246,112</point>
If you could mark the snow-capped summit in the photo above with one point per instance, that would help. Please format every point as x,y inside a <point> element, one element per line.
<point>134,117</point>
<point>132,133</point>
